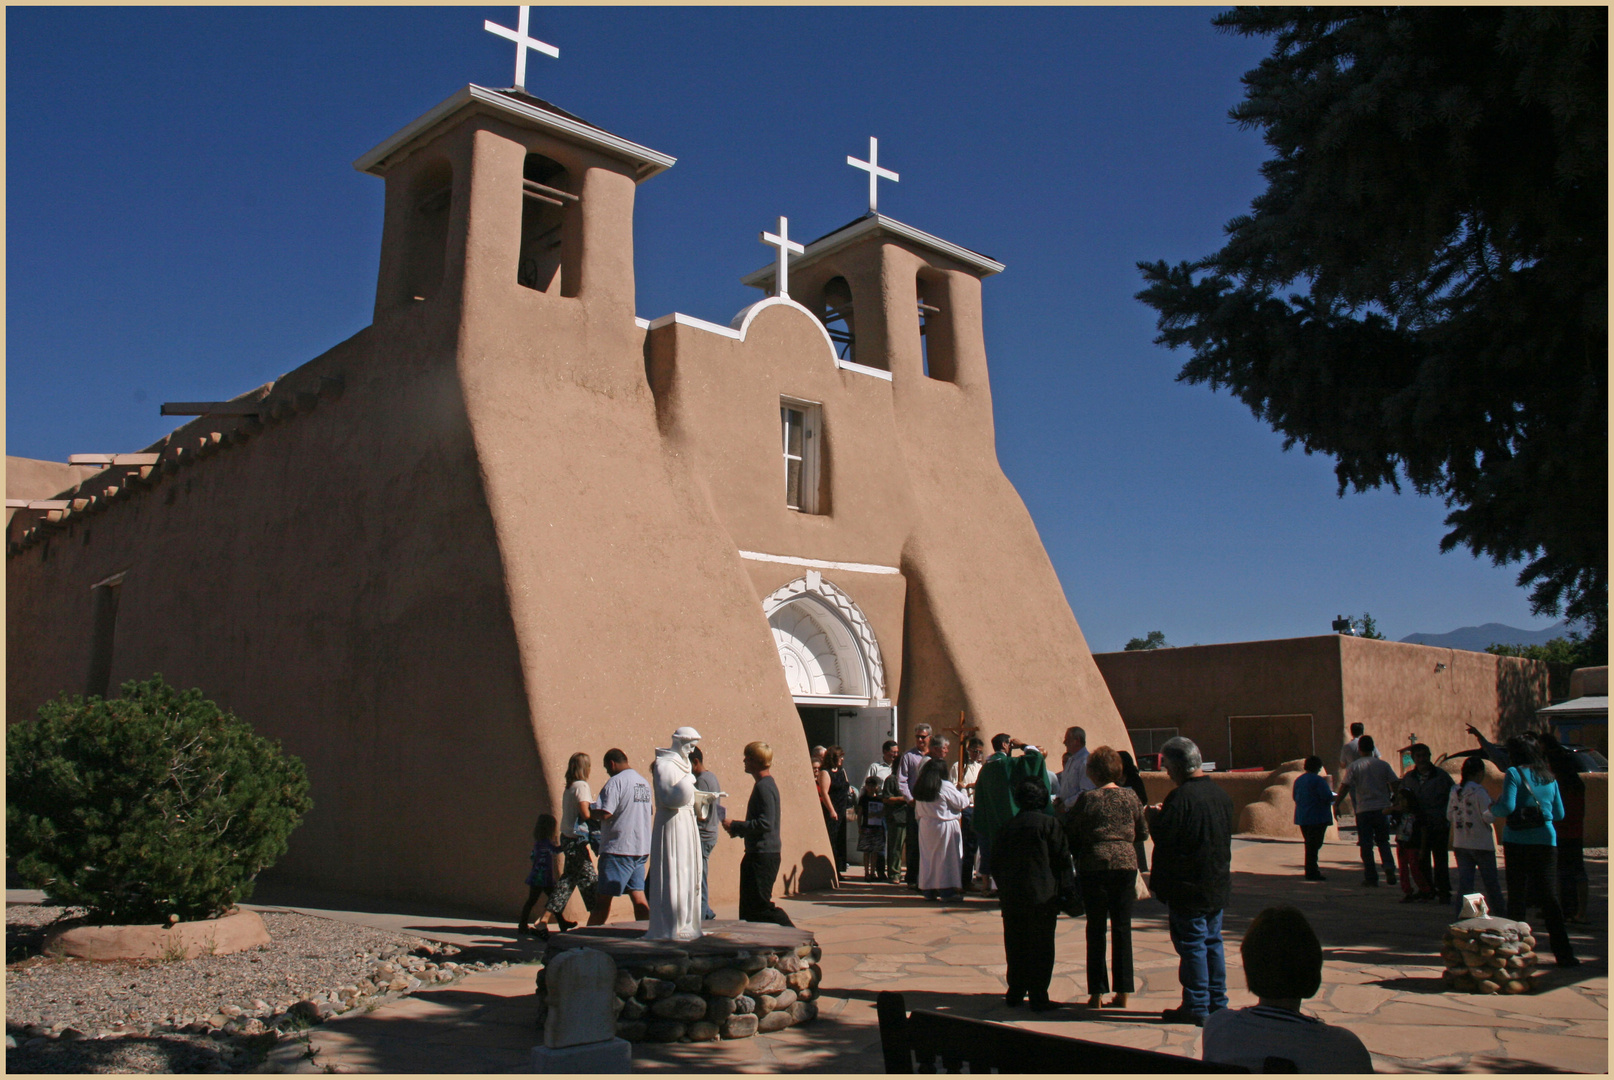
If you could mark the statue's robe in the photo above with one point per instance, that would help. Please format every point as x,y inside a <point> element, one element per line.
<point>673,887</point>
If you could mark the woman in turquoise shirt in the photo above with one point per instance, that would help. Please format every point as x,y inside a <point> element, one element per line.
<point>1530,852</point>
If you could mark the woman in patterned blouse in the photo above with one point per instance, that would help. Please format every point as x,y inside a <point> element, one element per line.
<point>1104,826</point>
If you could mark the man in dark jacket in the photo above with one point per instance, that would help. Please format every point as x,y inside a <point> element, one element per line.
<point>759,866</point>
<point>1031,862</point>
<point>1193,876</point>
<point>1431,790</point>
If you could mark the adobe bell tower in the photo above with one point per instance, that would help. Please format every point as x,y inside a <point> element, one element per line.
<point>499,198</point>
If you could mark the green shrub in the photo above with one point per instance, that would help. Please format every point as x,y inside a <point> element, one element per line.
<point>149,805</point>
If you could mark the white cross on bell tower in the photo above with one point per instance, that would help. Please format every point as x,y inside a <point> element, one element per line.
<point>786,248</point>
<point>523,42</point>
<point>872,167</point>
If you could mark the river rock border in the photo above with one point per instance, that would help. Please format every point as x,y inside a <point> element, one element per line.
<point>729,995</point>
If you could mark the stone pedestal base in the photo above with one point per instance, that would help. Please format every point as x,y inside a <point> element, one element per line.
<point>609,1056</point>
<point>738,980</point>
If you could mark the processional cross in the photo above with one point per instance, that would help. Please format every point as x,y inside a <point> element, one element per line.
<point>960,733</point>
<point>523,42</point>
<point>786,248</point>
<point>872,167</point>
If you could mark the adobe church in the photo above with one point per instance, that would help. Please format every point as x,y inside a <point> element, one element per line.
<point>511,520</point>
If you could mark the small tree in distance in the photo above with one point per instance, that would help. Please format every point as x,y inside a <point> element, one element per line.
<point>152,805</point>
<point>1155,639</point>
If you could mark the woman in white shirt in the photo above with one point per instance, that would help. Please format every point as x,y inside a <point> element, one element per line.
<point>579,873</point>
<point>1473,841</point>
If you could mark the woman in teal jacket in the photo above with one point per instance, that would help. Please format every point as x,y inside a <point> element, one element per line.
<point>1531,852</point>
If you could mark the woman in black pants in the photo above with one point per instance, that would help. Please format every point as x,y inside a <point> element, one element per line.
<point>1104,828</point>
<point>1531,803</point>
<point>840,801</point>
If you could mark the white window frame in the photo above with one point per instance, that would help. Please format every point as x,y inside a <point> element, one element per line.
<point>812,441</point>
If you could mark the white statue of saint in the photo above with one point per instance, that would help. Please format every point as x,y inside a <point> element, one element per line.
<point>673,887</point>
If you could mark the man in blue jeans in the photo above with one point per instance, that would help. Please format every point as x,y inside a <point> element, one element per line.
<point>1193,875</point>
<point>1371,784</point>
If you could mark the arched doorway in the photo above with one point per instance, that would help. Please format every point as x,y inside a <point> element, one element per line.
<point>833,666</point>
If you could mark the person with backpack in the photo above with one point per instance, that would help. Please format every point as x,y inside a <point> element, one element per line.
<point>1531,803</point>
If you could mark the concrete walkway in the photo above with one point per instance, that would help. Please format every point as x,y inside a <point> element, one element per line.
<point>1381,979</point>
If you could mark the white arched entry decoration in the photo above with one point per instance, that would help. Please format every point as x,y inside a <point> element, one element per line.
<point>826,645</point>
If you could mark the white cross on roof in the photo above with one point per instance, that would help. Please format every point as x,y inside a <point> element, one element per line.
<point>523,43</point>
<point>786,249</point>
<point>872,167</point>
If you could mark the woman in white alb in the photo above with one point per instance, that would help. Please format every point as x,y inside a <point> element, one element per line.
<point>937,806</point>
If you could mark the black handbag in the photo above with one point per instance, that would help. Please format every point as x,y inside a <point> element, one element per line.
<point>1070,892</point>
<point>1527,817</point>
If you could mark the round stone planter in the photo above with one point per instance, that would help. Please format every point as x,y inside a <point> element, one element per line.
<point>235,932</point>
<point>738,980</point>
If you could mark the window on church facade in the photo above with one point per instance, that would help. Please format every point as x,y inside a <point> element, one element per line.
<point>837,316</point>
<point>800,424</point>
<point>549,207</point>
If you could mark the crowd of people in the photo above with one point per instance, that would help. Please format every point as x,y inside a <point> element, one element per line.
<point>1433,818</point>
<point>1073,843</point>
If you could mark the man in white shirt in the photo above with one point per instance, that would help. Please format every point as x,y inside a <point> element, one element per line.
<point>1372,784</point>
<point>626,807</point>
<point>1283,965</point>
<point>888,760</point>
<point>1073,778</point>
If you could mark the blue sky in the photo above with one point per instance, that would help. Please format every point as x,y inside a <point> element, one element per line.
<point>184,223</point>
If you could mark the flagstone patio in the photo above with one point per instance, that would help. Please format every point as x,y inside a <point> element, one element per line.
<point>1381,979</point>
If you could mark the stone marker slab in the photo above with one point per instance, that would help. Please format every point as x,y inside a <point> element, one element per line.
<point>581,995</point>
<point>611,1056</point>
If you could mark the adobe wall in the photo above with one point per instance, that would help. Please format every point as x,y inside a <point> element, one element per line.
<point>29,478</point>
<point>1395,688</point>
<point>1583,682</point>
<point>1196,688</point>
<point>990,631</point>
<point>334,580</point>
<point>633,612</point>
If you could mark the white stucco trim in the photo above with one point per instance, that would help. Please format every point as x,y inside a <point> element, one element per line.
<point>646,162</point>
<point>740,325</point>
<point>825,245</point>
<point>642,324</point>
<point>678,318</point>
<point>863,369</point>
<point>820,564</point>
<point>843,700</point>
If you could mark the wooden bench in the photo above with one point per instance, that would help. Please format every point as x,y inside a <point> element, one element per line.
<point>924,1041</point>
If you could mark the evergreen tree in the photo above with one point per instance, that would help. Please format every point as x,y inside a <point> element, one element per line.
<point>1421,291</point>
<point>149,805</point>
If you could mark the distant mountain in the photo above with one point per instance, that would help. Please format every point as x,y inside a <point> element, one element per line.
<point>1477,638</point>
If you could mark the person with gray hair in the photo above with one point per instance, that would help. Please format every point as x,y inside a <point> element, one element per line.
<point>907,771</point>
<point>1193,876</point>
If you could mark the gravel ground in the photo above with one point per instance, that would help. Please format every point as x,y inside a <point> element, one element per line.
<point>209,1014</point>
